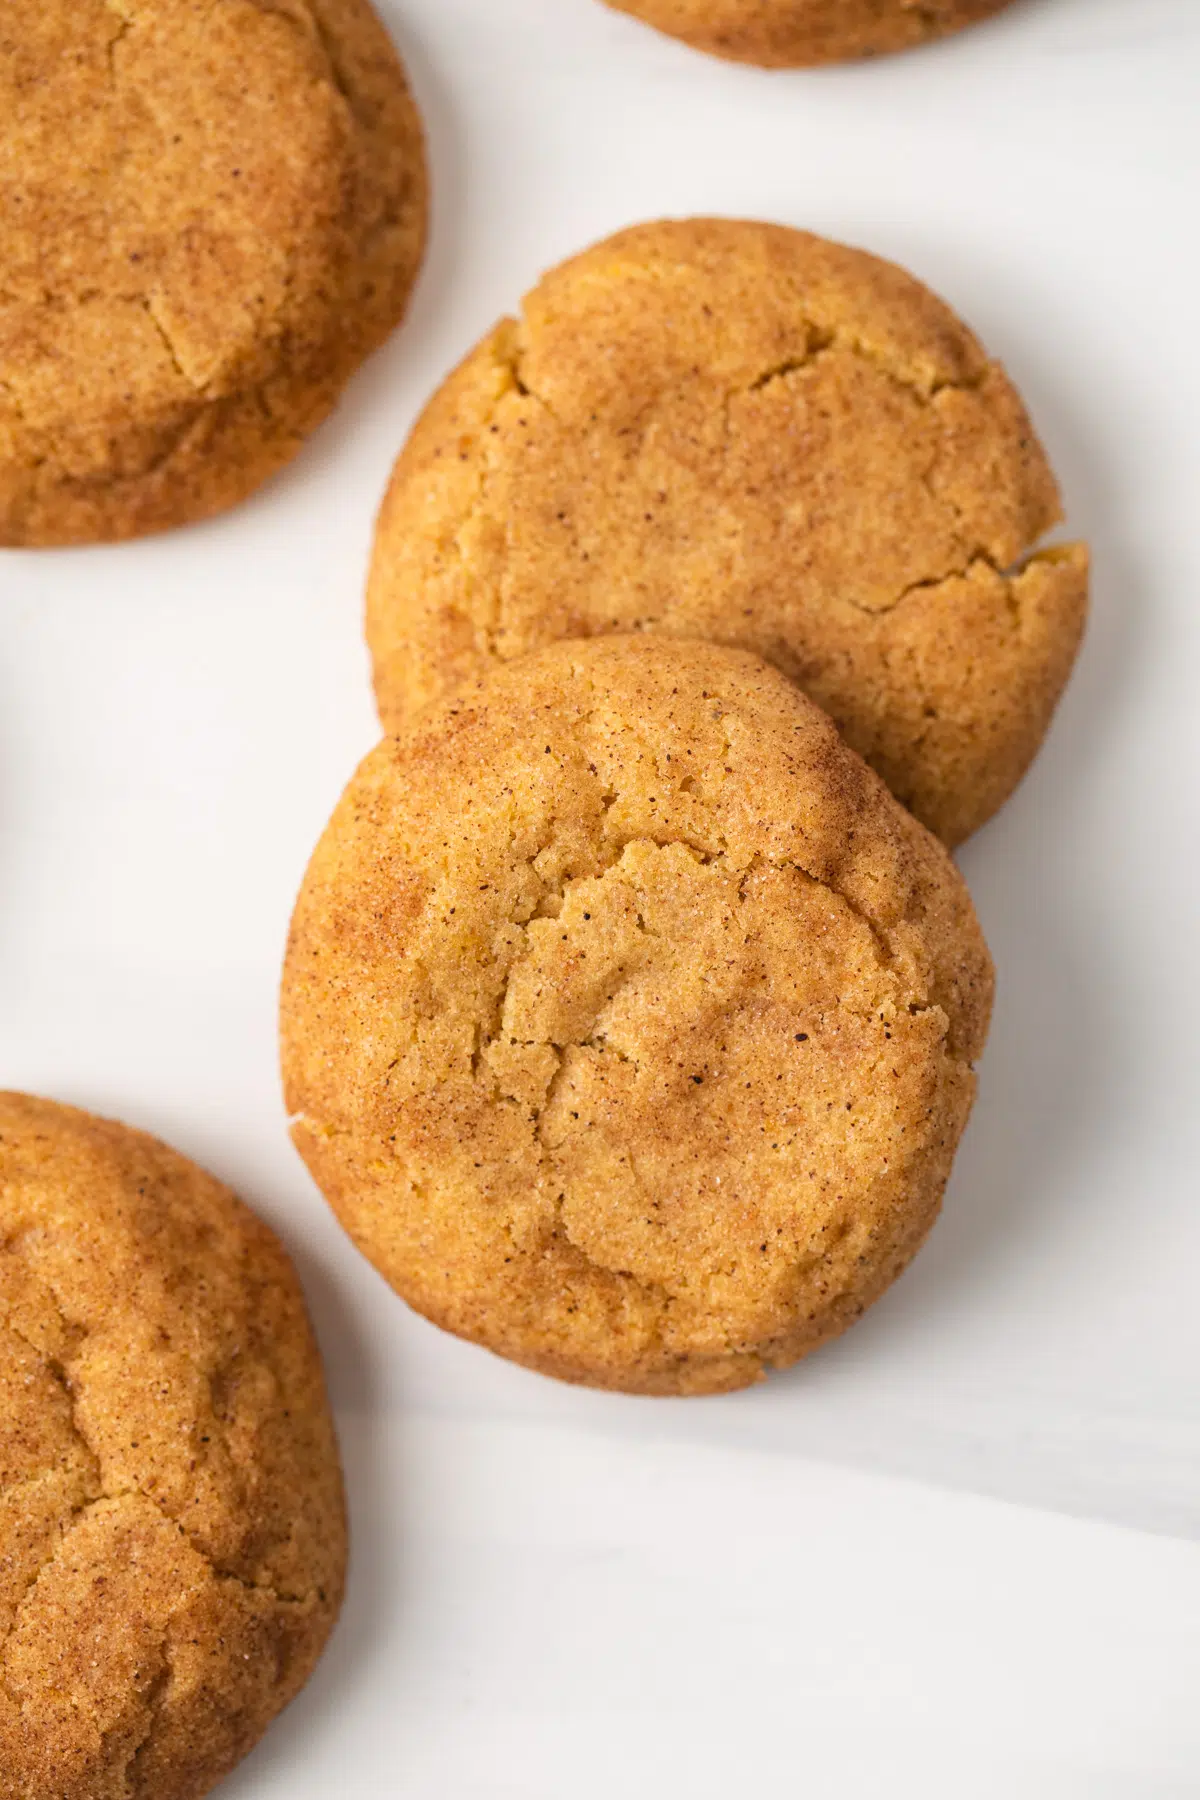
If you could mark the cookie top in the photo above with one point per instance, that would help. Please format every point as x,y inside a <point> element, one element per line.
<point>208,217</point>
<point>744,433</point>
<point>782,34</point>
<point>172,1537</point>
<point>628,1021</point>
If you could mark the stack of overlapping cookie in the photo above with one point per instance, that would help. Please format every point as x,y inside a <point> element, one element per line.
<point>632,999</point>
<point>629,1020</point>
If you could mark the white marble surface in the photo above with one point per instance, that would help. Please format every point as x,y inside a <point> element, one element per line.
<point>559,1592</point>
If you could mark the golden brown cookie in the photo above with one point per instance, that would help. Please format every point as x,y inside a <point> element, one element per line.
<point>740,432</point>
<point>172,1534</point>
<point>791,34</point>
<point>628,1021</point>
<point>209,215</point>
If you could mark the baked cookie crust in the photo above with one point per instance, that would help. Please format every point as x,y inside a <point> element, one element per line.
<point>628,1022</point>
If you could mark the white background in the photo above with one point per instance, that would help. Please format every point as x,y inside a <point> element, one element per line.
<point>955,1554</point>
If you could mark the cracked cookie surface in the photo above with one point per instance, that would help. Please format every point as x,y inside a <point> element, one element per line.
<point>172,1532</point>
<point>740,432</point>
<point>628,1021</point>
<point>791,34</point>
<point>210,215</point>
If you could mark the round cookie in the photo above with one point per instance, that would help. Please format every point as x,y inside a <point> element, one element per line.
<point>628,1021</point>
<point>208,217</point>
<point>172,1532</point>
<point>791,34</point>
<point>741,432</point>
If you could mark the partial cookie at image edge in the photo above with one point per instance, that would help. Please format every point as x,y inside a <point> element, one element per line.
<point>795,34</point>
<point>172,1521</point>
<point>229,267</point>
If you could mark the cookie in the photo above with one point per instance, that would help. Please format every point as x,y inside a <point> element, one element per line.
<point>791,34</point>
<point>172,1534</point>
<point>628,1021</point>
<point>209,215</point>
<point>741,432</point>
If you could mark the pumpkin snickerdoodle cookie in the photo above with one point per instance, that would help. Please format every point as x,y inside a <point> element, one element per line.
<point>783,34</point>
<point>741,432</point>
<point>628,1021</point>
<point>209,215</point>
<point>172,1535</point>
